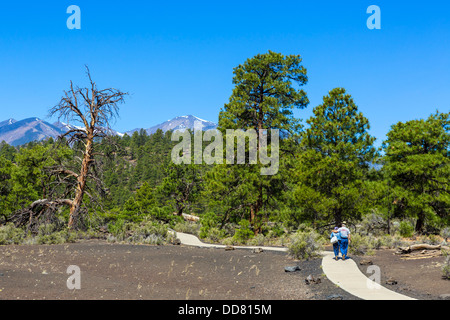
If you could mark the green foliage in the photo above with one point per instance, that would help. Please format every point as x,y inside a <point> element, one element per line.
<point>181,186</point>
<point>331,171</point>
<point>265,95</point>
<point>417,165</point>
<point>48,234</point>
<point>446,265</point>
<point>305,245</point>
<point>445,233</point>
<point>146,232</point>
<point>406,229</point>
<point>374,223</point>
<point>9,234</point>
<point>244,232</point>
<point>208,221</point>
<point>326,174</point>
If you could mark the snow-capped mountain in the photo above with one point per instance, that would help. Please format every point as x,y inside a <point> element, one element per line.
<point>180,123</point>
<point>17,133</point>
<point>66,127</point>
<point>7,122</point>
<point>20,132</point>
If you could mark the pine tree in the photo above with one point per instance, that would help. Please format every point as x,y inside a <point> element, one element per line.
<point>265,95</point>
<point>336,152</point>
<point>418,165</point>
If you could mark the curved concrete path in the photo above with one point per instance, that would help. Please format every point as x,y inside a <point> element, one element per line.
<point>348,277</point>
<point>344,274</point>
<point>191,240</point>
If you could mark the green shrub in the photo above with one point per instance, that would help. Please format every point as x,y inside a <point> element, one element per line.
<point>275,231</point>
<point>9,234</point>
<point>445,233</point>
<point>207,221</point>
<point>187,227</point>
<point>305,245</point>
<point>243,233</point>
<point>406,229</point>
<point>47,234</point>
<point>446,265</point>
<point>258,240</point>
<point>373,223</point>
<point>116,228</point>
<point>165,214</point>
<point>361,245</point>
<point>430,239</point>
<point>146,232</point>
<point>215,234</point>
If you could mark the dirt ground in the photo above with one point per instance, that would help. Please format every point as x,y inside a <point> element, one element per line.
<point>131,272</point>
<point>420,278</point>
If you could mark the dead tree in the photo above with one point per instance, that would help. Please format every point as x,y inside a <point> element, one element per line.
<point>88,111</point>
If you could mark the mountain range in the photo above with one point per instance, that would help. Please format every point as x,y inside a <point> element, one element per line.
<point>17,133</point>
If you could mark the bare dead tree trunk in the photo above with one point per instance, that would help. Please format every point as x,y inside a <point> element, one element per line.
<point>93,109</point>
<point>81,182</point>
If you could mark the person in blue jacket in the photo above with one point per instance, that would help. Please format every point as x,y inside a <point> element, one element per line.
<point>345,239</point>
<point>336,245</point>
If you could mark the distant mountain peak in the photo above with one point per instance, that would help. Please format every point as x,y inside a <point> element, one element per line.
<point>31,129</point>
<point>8,122</point>
<point>21,132</point>
<point>179,123</point>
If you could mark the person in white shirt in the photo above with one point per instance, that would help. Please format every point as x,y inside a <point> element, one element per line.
<point>345,240</point>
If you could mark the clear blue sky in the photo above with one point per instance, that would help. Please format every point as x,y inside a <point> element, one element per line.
<point>177,57</point>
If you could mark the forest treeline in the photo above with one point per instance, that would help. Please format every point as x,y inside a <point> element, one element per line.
<point>329,168</point>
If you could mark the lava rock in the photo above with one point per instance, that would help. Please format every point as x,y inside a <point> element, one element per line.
<point>292,269</point>
<point>366,262</point>
<point>311,280</point>
<point>391,281</point>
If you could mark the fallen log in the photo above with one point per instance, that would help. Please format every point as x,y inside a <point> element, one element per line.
<point>189,217</point>
<point>416,247</point>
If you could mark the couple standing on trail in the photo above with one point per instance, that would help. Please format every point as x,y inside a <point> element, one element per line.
<point>342,235</point>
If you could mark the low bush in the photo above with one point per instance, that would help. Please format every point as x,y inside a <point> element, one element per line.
<point>305,244</point>
<point>214,235</point>
<point>146,232</point>
<point>446,265</point>
<point>187,227</point>
<point>406,229</point>
<point>244,233</point>
<point>445,233</point>
<point>9,234</point>
<point>47,234</point>
<point>361,245</point>
<point>374,224</point>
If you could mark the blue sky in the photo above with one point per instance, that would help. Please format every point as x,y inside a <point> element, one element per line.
<point>177,58</point>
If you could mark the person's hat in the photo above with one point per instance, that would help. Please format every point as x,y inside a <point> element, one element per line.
<point>336,228</point>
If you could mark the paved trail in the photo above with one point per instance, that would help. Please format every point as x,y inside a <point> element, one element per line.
<point>345,274</point>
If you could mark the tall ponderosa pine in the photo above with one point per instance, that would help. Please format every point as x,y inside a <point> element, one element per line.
<point>418,165</point>
<point>265,95</point>
<point>336,152</point>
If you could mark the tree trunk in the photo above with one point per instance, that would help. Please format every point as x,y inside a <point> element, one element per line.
<point>81,185</point>
<point>338,218</point>
<point>420,223</point>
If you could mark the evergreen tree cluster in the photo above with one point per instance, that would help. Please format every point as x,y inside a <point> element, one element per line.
<point>329,169</point>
